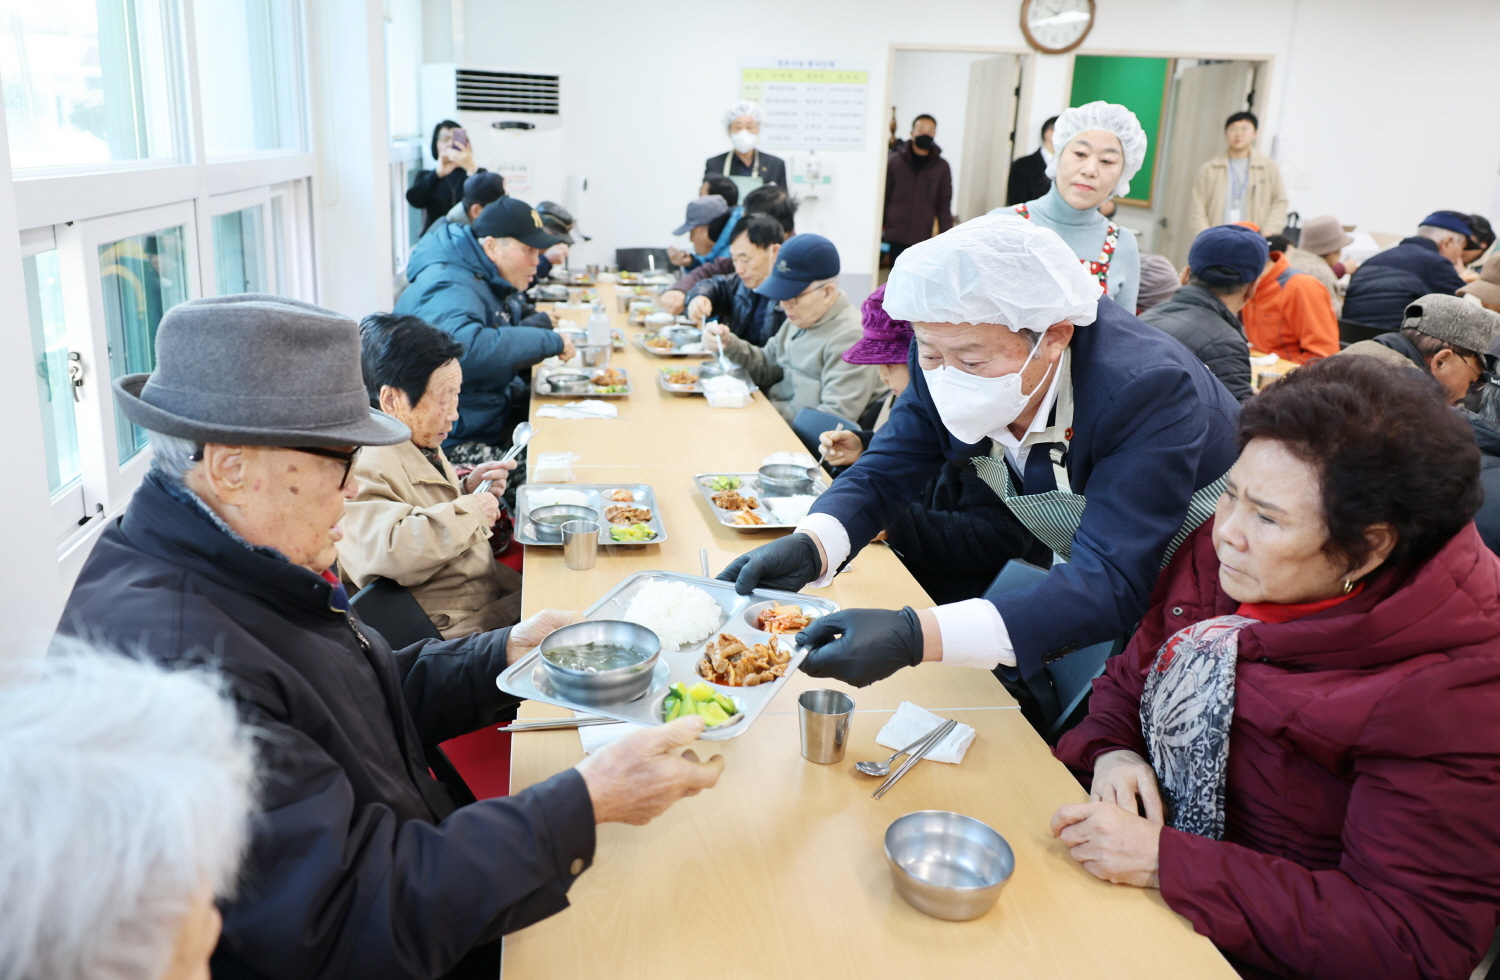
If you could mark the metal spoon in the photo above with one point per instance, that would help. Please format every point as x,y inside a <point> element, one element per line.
<point>518,441</point>
<point>884,768</point>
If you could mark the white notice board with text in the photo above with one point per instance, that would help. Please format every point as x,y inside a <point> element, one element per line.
<point>810,103</point>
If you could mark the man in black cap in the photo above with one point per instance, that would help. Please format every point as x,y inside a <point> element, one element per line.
<point>1428,262</point>
<point>479,190</point>
<point>468,281</point>
<point>361,864</point>
<point>557,221</point>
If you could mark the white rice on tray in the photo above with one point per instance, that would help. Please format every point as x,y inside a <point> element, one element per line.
<point>676,612</point>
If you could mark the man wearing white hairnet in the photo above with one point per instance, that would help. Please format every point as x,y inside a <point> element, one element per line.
<point>745,165</point>
<point>1100,147</point>
<point>1061,399</point>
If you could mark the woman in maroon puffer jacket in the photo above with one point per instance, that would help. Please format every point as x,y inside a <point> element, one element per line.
<point>1316,687</point>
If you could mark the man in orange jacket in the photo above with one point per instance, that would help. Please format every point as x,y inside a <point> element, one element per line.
<point>1291,314</point>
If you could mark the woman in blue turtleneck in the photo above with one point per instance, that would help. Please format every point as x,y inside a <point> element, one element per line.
<point>1100,147</point>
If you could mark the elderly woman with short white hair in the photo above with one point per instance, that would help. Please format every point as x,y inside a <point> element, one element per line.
<point>125,791</point>
<point>746,165</point>
<point>1100,148</point>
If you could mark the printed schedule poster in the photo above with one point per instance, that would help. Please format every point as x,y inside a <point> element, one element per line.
<point>810,103</point>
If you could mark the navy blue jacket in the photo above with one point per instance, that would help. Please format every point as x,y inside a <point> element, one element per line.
<point>456,288</point>
<point>1488,518</point>
<point>361,865</point>
<point>1380,290</point>
<point>748,315</point>
<point>1151,425</point>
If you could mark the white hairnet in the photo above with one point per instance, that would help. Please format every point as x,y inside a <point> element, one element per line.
<point>745,107</point>
<point>999,268</point>
<point>1112,119</point>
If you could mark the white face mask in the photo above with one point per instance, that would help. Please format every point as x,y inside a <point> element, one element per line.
<point>743,140</point>
<point>972,407</point>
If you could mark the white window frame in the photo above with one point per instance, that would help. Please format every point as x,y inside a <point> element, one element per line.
<point>68,508</point>
<point>220,204</point>
<point>107,479</point>
<point>81,210</point>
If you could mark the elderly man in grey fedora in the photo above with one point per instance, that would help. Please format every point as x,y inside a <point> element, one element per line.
<point>362,865</point>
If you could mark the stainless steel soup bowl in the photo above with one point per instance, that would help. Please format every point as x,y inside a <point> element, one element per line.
<point>547,522</point>
<point>946,864</point>
<point>603,686</point>
<point>784,480</point>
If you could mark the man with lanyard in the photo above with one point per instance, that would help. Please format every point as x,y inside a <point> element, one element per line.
<point>1108,439</point>
<point>745,165</point>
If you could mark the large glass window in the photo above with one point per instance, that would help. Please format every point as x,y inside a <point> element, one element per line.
<point>49,345</point>
<point>143,276</point>
<point>88,82</point>
<point>240,252</point>
<point>250,72</point>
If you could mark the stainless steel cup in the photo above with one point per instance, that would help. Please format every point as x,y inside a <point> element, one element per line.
<point>594,357</point>
<point>580,544</point>
<point>824,717</point>
<point>593,271</point>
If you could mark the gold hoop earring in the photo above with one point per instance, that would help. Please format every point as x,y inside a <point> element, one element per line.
<point>1348,586</point>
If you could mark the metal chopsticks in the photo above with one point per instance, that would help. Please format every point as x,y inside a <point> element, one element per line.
<point>546,724</point>
<point>940,733</point>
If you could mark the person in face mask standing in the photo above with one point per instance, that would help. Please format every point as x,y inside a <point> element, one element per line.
<point>918,189</point>
<point>747,166</point>
<point>1060,398</point>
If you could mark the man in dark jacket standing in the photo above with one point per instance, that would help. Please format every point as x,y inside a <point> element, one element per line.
<point>1380,290</point>
<point>732,299</point>
<point>467,281</point>
<point>1028,175</point>
<point>361,864</point>
<point>1203,316</point>
<point>918,189</point>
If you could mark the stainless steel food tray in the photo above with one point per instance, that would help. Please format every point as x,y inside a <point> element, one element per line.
<point>640,341</point>
<point>749,484</point>
<point>644,496</point>
<point>539,375</point>
<point>527,677</point>
<point>696,388</point>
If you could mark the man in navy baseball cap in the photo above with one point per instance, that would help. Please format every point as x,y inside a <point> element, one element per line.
<point>801,366</point>
<point>1390,280</point>
<point>1223,266</point>
<point>802,261</point>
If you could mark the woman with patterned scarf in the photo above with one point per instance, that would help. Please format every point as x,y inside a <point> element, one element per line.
<point>1300,746</point>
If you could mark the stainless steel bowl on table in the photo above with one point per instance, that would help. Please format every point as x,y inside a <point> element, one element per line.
<point>599,687</point>
<point>547,522</point>
<point>946,864</point>
<point>569,382</point>
<point>784,480</point>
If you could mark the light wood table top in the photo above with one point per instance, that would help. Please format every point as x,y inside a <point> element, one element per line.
<point>779,871</point>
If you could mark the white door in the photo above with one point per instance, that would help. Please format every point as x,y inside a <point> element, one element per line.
<point>989,130</point>
<point>1205,96</point>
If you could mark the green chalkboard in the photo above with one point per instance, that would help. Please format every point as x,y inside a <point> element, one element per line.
<point>1138,84</point>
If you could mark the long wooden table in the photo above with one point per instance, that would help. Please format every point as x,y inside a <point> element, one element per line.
<point>779,870</point>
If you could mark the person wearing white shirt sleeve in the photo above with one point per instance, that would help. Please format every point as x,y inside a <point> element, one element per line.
<point>1104,436</point>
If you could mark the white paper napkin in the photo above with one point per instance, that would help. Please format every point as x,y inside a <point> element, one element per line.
<point>596,737</point>
<point>590,408</point>
<point>910,723</point>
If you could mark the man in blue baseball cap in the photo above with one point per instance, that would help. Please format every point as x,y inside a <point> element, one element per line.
<point>1223,265</point>
<point>1428,262</point>
<point>801,365</point>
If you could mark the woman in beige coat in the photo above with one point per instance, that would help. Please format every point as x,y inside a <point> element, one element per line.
<point>412,520</point>
<point>1241,184</point>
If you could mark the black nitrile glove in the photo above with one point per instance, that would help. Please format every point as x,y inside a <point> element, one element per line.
<point>875,643</point>
<point>787,564</point>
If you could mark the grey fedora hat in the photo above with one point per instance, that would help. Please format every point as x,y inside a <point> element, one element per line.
<point>257,370</point>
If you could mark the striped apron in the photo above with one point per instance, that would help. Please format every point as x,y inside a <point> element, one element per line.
<point>1054,516</point>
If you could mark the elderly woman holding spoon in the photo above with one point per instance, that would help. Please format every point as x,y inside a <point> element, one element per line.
<point>413,520</point>
<point>1299,745</point>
